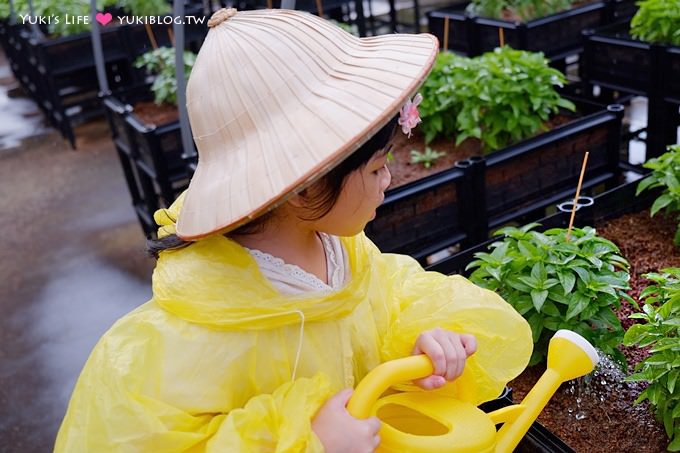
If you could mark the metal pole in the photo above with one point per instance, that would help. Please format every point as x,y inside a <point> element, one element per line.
<point>287,4</point>
<point>178,29</point>
<point>12,13</point>
<point>34,26</point>
<point>98,51</point>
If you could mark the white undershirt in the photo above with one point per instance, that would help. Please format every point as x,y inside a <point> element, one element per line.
<point>292,279</point>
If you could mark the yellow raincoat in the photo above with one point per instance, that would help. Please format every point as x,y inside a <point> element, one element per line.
<point>218,360</point>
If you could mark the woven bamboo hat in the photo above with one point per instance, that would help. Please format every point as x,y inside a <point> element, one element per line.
<point>276,99</point>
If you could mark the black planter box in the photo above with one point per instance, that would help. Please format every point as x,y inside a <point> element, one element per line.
<point>461,206</point>
<point>151,155</point>
<point>607,205</point>
<point>557,35</point>
<point>614,60</point>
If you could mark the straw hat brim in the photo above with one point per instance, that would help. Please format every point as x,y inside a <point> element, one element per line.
<point>276,99</point>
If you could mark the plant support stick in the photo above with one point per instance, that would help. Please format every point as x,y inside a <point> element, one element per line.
<point>446,33</point>
<point>501,36</point>
<point>578,193</point>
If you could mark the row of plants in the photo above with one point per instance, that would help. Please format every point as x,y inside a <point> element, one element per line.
<point>501,97</point>
<point>553,27</point>
<point>504,105</point>
<point>575,279</point>
<point>650,43</point>
<point>57,68</point>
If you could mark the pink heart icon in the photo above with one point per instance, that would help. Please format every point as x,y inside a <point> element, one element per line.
<point>103,18</point>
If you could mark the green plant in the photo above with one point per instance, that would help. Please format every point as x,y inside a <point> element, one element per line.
<point>659,331</point>
<point>500,97</point>
<point>558,283</point>
<point>666,174</point>
<point>161,63</point>
<point>657,21</point>
<point>524,9</point>
<point>426,158</point>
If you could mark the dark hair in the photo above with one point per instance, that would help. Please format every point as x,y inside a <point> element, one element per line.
<point>326,193</point>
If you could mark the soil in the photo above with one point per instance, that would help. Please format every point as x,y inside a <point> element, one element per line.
<point>403,171</point>
<point>600,415</point>
<point>154,114</point>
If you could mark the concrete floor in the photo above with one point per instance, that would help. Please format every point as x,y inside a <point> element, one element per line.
<point>72,261</point>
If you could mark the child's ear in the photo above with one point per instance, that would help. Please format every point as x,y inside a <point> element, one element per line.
<point>298,200</point>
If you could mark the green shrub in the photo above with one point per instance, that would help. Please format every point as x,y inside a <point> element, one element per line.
<point>524,9</point>
<point>666,174</point>
<point>161,63</point>
<point>500,97</point>
<point>657,21</point>
<point>659,331</point>
<point>557,283</point>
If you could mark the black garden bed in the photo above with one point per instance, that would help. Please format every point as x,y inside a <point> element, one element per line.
<point>459,207</point>
<point>606,205</point>
<point>151,155</point>
<point>614,60</point>
<point>59,73</point>
<point>557,35</point>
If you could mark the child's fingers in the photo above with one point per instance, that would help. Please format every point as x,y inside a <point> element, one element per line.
<point>340,399</point>
<point>431,382</point>
<point>429,346</point>
<point>469,343</point>
<point>455,362</point>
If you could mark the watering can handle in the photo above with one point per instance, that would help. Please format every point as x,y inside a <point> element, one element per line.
<point>393,372</point>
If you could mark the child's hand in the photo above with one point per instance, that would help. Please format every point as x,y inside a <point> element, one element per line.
<point>448,352</point>
<point>340,432</point>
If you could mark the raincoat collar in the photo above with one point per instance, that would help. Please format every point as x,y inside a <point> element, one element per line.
<point>217,283</point>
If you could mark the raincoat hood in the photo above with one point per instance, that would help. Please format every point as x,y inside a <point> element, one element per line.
<point>232,293</point>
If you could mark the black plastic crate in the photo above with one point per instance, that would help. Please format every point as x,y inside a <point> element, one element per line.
<point>557,35</point>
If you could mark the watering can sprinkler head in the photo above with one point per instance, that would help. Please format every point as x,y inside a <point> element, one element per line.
<point>571,355</point>
<point>430,422</point>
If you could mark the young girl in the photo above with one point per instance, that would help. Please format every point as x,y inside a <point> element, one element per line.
<point>269,303</point>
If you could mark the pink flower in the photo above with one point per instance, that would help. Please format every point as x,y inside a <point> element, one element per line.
<point>409,116</point>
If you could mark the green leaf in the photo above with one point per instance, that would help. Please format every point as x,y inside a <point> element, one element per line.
<point>538,298</point>
<point>660,203</point>
<point>567,280</point>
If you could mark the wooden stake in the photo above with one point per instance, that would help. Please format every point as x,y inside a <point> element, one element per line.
<point>578,193</point>
<point>501,36</point>
<point>446,33</point>
<point>152,38</point>
<point>319,7</point>
<point>270,4</point>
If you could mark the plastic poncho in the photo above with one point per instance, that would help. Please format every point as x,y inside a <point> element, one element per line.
<point>218,360</point>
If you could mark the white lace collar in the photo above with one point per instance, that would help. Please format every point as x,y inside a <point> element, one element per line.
<point>292,279</point>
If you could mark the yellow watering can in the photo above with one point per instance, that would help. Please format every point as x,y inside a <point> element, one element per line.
<point>426,422</point>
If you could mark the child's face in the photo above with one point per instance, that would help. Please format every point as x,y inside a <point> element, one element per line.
<point>363,192</point>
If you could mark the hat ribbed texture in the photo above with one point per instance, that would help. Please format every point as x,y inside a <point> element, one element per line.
<point>276,98</point>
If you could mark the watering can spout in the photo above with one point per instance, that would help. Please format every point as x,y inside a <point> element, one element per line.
<point>569,356</point>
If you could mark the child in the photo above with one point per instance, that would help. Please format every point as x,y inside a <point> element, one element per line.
<point>269,303</point>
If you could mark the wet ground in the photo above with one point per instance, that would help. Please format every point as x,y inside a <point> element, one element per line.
<point>71,262</point>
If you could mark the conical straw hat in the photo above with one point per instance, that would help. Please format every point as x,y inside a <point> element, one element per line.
<point>277,98</point>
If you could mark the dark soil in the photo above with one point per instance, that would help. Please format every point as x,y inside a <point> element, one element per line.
<point>403,171</point>
<point>154,114</point>
<point>601,416</point>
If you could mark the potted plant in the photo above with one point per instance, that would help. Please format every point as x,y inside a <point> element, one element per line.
<point>651,44</point>
<point>657,332</point>
<point>552,27</point>
<point>56,65</point>
<point>146,131</point>
<point>459,204</point>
